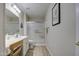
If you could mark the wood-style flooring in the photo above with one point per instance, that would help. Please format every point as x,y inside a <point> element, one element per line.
<point>38,51</point>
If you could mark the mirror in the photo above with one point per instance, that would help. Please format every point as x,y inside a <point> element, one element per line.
<point>11,27</point>
<point>11,23</point>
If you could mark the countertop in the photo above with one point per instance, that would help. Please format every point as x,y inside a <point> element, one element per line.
<point>12,40</point>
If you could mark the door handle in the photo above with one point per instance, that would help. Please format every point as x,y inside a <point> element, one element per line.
<point>77,44</point>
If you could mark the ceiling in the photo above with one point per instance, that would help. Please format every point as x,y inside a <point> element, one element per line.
<point>34,10</point>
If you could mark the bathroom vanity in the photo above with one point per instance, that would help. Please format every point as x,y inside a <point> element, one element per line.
<point>16,45</point>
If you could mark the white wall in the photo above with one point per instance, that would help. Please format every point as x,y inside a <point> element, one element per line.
<point>25,25</point>
<point>77,29</point>
<point>23,19</point>
<point>61,38</point>
<point>2,33</point>
<point>25,42</point>
<point>23,31</point>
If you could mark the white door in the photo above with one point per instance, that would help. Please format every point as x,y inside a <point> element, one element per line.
<point>77,30</point>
